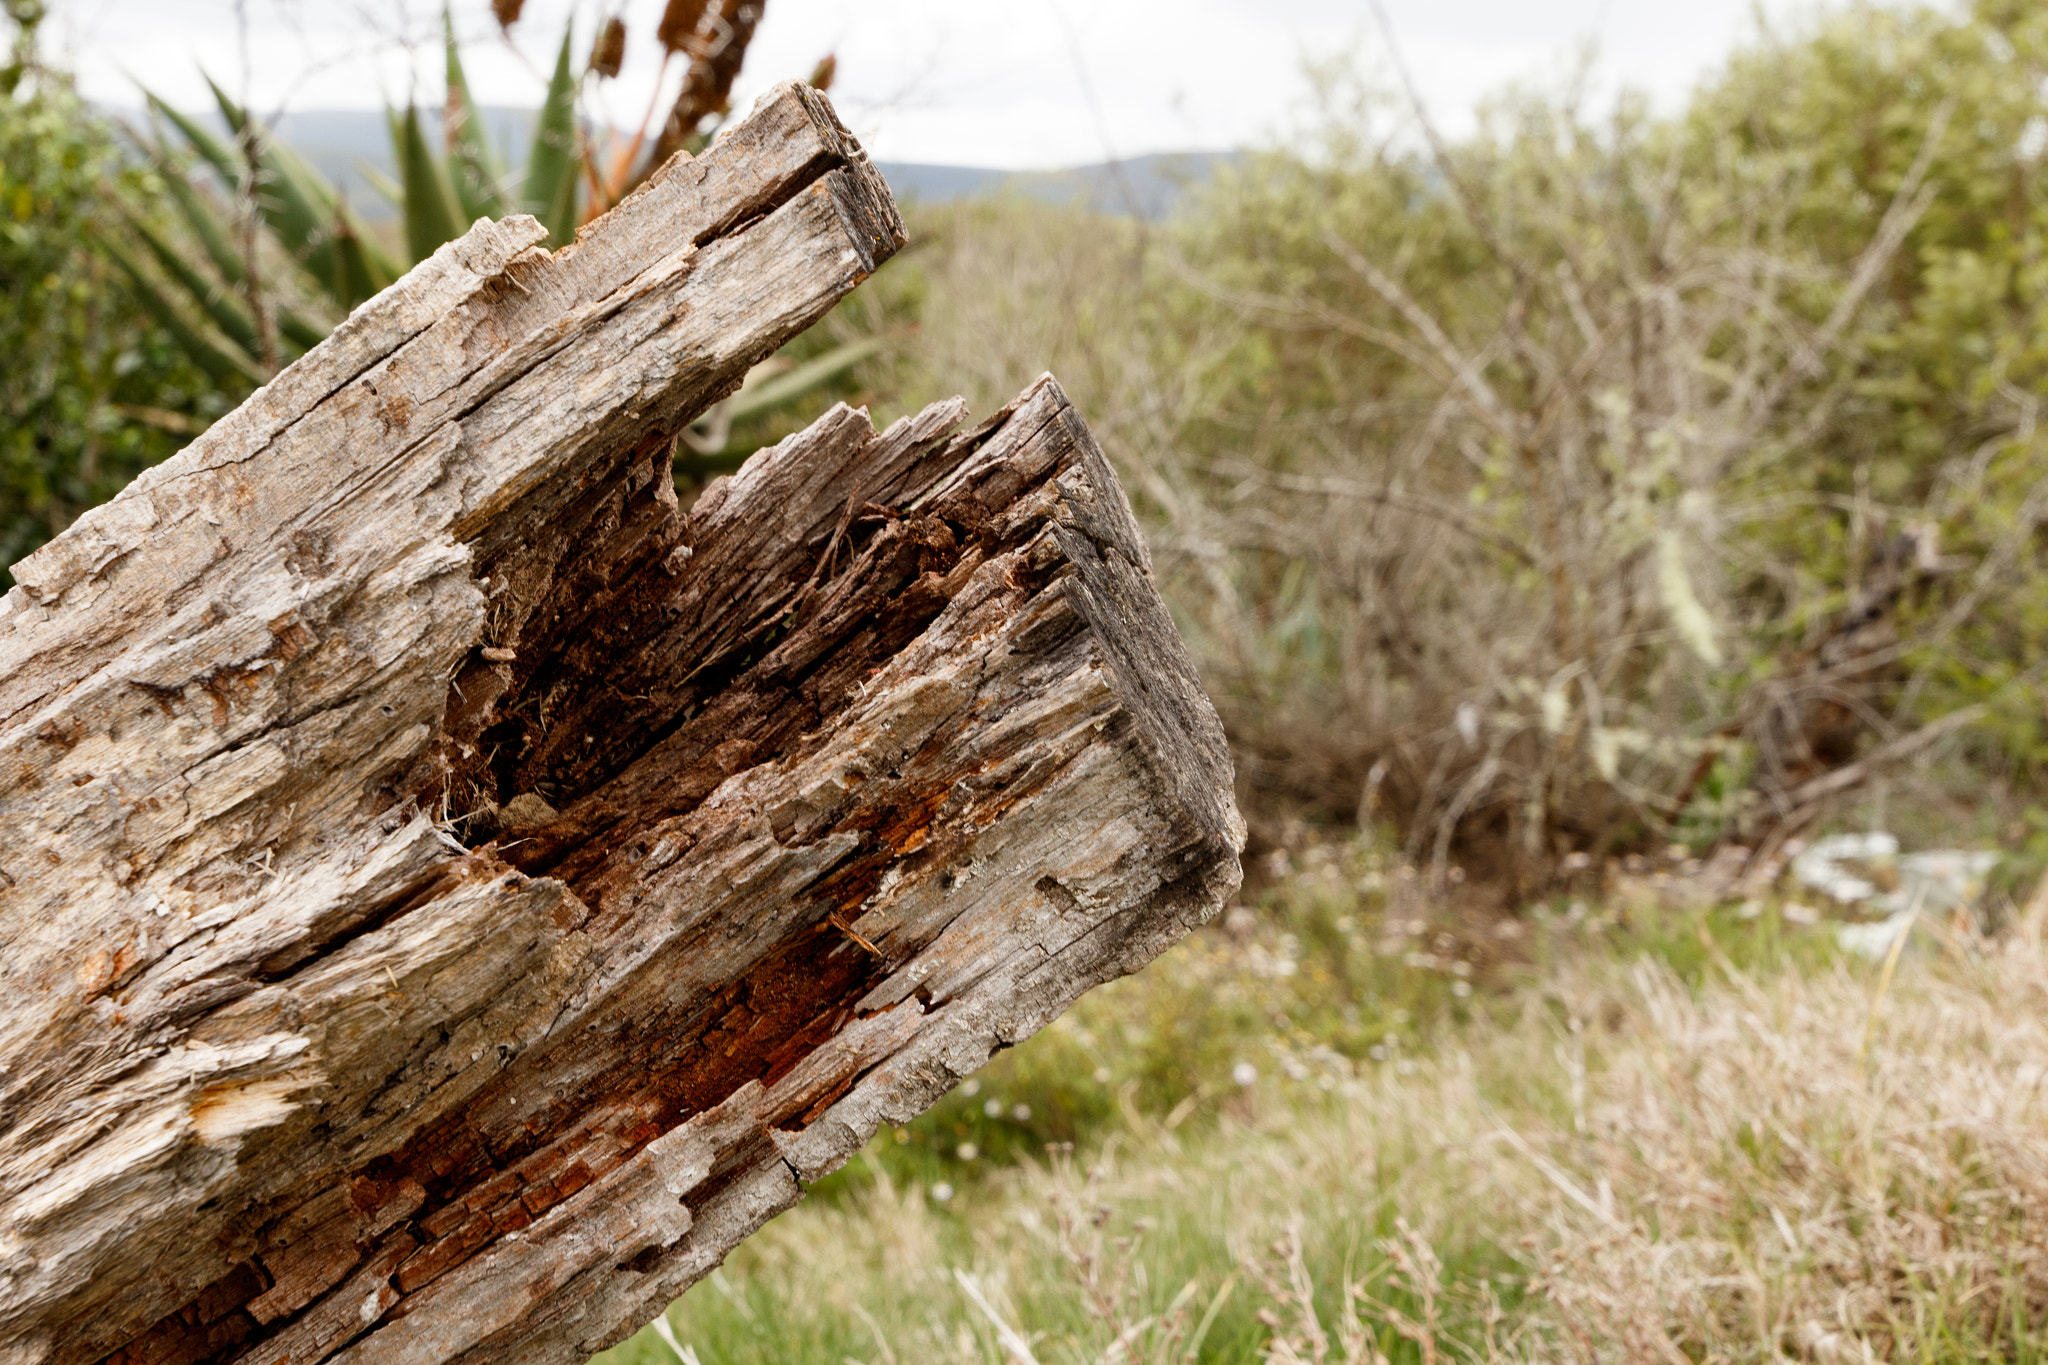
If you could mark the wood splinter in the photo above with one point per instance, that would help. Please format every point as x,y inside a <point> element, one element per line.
<point>293,1072</point>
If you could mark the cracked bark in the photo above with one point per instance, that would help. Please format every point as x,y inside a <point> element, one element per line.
<point>450,895</point>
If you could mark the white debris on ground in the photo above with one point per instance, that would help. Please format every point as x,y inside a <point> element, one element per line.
<point>1826,865</point>
<point>1866,872</point>
<point>1874,940</point>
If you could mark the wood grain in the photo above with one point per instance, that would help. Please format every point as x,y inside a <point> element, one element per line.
<point>450,894</point>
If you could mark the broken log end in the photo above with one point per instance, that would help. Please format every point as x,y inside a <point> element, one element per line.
<point>451,892</point>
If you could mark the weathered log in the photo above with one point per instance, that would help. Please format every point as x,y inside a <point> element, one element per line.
<point>450,894</point>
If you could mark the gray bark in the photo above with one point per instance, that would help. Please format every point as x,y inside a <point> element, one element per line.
<point>450,894</point>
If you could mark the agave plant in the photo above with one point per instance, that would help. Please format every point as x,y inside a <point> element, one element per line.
<point>318,260</point>
<point>333,261</point>
<point>441,194</point>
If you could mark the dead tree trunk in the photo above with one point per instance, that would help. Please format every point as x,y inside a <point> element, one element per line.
<point>449,895</point>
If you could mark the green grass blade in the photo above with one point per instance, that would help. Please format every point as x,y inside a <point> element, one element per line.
<point>472,164</point>
<point>431,216</point>
<point>550,189</point>
<point>237,118</point>
<point>391,190</point>
<point>395,126</point>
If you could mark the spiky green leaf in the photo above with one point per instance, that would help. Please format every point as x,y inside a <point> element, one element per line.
<point>754,399</point>
<point>306,215</point>
<point>550,189</point>
<point>288,205</point>
<point>202,217</point>
<point>473,167</point>
<point>207,348</point>
<point>211,149</point>
<point>431,216</point>
<point>360,267</point>
<point>206,221</point>
<point>392,192</point>
<point>213,299</point>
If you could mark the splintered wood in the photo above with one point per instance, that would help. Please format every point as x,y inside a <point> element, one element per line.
<point>450,895</point>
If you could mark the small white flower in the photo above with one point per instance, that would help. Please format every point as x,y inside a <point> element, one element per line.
<point>1244,1073</point>
<point>942,1191</point>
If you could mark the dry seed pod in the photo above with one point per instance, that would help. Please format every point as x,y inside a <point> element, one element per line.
<point>679,23</point>
<point>507,11</point>
<point>610,49</point>
<point>824,71</point>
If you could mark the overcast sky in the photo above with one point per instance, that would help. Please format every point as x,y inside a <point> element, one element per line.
<point>1009,83</point>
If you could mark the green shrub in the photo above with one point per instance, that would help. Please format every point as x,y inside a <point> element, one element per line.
<point>92,391</point>
<point>1590,482</point>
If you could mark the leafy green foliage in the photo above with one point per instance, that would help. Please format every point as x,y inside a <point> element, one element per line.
<point>215,291</point>
<point>93,390</point>
<point>1940,425</point>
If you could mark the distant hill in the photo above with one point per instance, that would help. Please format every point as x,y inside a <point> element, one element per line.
<point>1142,186</point>
<point>340,142</point>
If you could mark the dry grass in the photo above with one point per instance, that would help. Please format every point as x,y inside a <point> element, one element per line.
<point>1613,1166</point>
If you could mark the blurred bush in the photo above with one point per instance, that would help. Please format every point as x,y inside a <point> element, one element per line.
<point>92,391</point>
<point>1592,481</point>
